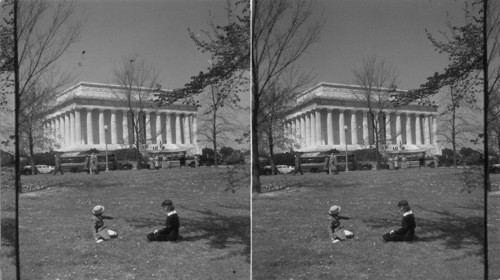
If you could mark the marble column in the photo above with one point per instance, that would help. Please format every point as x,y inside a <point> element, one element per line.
<point>72,128</point>
<point>296,132</point>
<point>399,134</point>
<point>67,135</point>
<point>168,128</point>
<point>317,117</point>
<point>158,127</point>
<point>148,126</point>
<point>125,127</point>
<point>102,133</point>
<point>418,138</point>
<point>341,128</point>
<point>354,128</point>
<point>58,127</point>
<point>366,137</point>
<point>194,129</point>
<point>114,134</point>
<point>186,129</point>
<point>308,129</point>
<point>329,126</point>
<point>53,127</point>
<point>62,129</point>
<point>302,131</point>
<point>426,130</point>
<point>78,127</point>
<point>434,129</point>
<point>408,129</point>
<point>388,136</point>
<point>90,134</point>
<point>178,136</point>
<point>313,129</point>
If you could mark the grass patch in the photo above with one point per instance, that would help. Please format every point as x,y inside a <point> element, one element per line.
<point>494,230</point>
<point>56,240</point>
<point>290,237</point>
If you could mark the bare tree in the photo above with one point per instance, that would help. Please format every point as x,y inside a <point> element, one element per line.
<point>140,85</point>
<point>229,47</point>
<point>377,83</point>
<point>274,106</point>
<point>218,117</point>
<point>281,33</point>
<point>493,36</point>
<point>455,124</point>
<point>6,54</point>
<point>46,30</point>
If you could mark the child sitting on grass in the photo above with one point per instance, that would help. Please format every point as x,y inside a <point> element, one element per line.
<point>100,232</point>
<point>336,231</point>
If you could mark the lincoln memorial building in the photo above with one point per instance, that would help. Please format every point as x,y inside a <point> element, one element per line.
<point>90,115</point>
<point>336,116</point>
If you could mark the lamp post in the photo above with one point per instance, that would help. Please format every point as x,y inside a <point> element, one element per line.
<point>105,141</point>
<point>346,158</point>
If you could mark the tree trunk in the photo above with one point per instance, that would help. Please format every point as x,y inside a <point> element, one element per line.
<point>32,154</point>
<point>453,137</point>
<point>215,154</point>
<point>376,136</point>
<point>214,136</point>
<point>256,188</point>
<point>271,151</point>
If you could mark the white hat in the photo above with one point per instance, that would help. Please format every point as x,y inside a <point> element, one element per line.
<point>334,210</point>
<point>98,209</point>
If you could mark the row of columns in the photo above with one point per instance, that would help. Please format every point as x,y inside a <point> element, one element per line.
<point>308,127</point>
<point>68,125</point>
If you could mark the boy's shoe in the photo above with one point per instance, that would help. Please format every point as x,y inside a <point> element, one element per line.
<point>335,241</point>
<point>99,241</point>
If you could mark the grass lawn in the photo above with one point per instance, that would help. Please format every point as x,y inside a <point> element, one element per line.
<point>494,230</point>
<point>291,241</point>
<point>56,239</point>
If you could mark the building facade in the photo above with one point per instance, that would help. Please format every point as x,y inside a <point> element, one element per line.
<point>90,115</point>
<point>337,116</point>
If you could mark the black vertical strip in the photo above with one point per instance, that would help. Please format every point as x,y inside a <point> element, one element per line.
<point>16,131</point>
<point>485,135</point>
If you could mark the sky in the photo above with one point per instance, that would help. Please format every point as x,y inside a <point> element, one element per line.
<point>157,30</point>
<point>392,30</point>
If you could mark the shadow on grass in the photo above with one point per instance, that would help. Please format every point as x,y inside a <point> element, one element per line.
<point>8,238</point>
<point>457,232</point>
<point>327,182</point>
<point>220,231</point>
<point>85,185</point>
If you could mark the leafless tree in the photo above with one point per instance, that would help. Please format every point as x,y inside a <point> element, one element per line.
<point>218,118</point>
<point>281,33</point>
<point>455,118</point>
<point>46,30</point>
<point>140,85</point>
<point>377,83</point>
<point>493,36</point>
<point>274,106</point>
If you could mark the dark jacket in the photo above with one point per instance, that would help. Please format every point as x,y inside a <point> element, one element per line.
<point>297,162</point>
<point>407,230</point>
<point>172,225</point>
<point>334,222</point>
<point>98,228</point>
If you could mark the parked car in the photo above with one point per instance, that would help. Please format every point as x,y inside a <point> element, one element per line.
<point>364,165</point>
<point>284,169</point>
<point>495,168</point>
<point>124,165</point>
<point>42,169</point>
